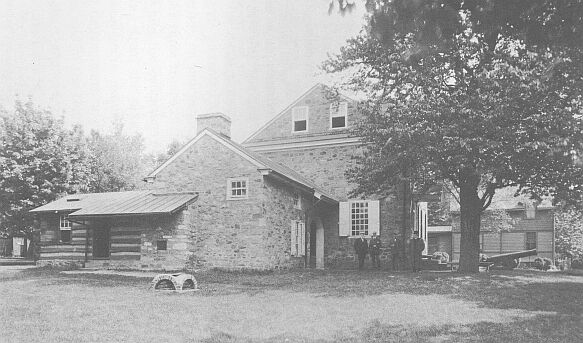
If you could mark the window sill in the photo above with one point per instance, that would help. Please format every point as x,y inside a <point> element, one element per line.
<point>237,199</point>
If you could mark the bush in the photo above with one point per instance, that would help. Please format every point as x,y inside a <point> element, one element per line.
<point>577,263</point>
<point>543,263</point>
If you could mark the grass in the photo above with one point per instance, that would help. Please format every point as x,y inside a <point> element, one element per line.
<point>44,305</point>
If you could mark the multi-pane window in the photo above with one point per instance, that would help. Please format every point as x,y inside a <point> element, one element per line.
<point>530,240</point>
<point>237,188</point>
<point>300,119</point>
<point>359,218</point>
<point>65,229</point>
<point>338,114</point>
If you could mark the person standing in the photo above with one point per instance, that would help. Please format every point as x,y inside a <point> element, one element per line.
<point>361,249</point>
<point>396,253</point>
<point>416,247</point>
<point>374,249</point>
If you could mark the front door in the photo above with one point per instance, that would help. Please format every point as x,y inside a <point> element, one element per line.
<point>101,242</point>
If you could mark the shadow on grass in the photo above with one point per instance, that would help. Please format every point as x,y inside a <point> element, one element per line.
<point>542,328</point>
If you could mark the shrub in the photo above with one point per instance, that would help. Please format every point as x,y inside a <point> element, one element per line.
<point>543,263</point>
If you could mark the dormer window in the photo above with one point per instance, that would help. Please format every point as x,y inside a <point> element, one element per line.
<point>300,119</point>
<point>338,115</point>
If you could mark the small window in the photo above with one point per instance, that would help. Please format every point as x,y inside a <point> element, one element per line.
<point>297,201</point>
<point>338,114</point>
<point>237,188</point>
<point>162,244</point>
<point>65,229</point>
<point>530,240</point>
<point>300,119</point>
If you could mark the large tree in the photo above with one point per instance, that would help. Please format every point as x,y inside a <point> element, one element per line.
<point>40,160</point>
<point>118,161</point>
<point>481,94</point>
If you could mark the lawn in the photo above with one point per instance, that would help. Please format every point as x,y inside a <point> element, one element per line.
<point>44,305</point>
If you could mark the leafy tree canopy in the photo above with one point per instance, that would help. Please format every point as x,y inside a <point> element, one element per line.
<point>39,161</point>
<point>457,91</point>
<point>117,161</point>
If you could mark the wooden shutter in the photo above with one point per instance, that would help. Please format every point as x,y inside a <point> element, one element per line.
<point>294,239</point>
<point>374,217</point>
<point>301,239</point>
<point>344,219</point>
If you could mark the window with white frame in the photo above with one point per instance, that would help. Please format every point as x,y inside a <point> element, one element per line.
<point>300,119</point>
<point>530,240</point>
<point>64,229</point>
<point>237,189</point>
<point>338,115</point>
<point>297,200</point>
<point>298,240</point>
<point>359,217</point>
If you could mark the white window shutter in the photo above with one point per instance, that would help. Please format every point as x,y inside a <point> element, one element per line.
<point>302,239</point>
<point>374,217</point>
<point>294,239</point>
<point>344,219</point>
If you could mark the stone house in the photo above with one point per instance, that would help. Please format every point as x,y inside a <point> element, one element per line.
<point>278,200</point>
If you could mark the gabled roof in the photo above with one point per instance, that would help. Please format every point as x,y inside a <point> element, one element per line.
<point>294,103</point>
<point>118,203</point>
<point>263,164</point>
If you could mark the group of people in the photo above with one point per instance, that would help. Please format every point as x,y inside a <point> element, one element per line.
<point>363,247</point>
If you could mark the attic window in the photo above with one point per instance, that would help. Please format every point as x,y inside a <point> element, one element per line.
<point>300,119</point>
<point>530,210</point>
<point>338,115</point>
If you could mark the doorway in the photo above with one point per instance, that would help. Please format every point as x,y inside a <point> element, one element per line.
<point>316,243</point>
<point>101,241</point>
<point>313,229</point>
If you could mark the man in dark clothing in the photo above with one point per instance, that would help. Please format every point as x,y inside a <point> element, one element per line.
<point>374,249</point>
<point>361,248</point>
<point>396,253</point>
<point>416,247</point>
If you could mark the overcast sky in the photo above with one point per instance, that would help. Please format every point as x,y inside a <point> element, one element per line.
<point>154,65</point>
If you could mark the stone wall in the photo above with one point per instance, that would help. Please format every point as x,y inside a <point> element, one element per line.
<point>318,119</point>
<point>229,234</point>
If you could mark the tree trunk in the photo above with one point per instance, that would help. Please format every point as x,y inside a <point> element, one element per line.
<point>470,215</point>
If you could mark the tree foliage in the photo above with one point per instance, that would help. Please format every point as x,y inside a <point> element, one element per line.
<point>39,161</point>
<point>569,232</point>
<point>117,160</point>
<point>468,92</point>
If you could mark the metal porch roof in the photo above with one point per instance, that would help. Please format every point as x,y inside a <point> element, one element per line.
<point>118,203</point>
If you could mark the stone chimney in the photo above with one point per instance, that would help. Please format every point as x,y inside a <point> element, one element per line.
<point>218,122</point>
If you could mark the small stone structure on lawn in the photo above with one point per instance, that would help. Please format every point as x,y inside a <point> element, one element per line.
<point>174,282</point>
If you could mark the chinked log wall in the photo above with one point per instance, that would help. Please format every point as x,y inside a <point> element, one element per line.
<point>52,249</point>
<point>126,242</point>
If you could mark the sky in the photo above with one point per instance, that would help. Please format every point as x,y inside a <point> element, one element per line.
<point>155,65</point>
